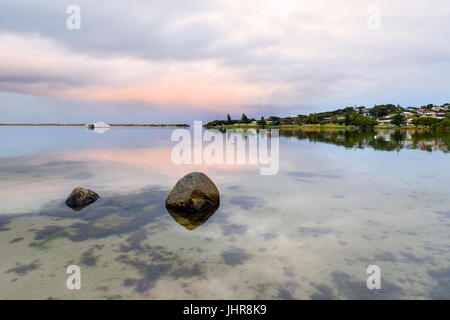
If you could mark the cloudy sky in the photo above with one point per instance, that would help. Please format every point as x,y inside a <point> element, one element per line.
<point>152,61</point>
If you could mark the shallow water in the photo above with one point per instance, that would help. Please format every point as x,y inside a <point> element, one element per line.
<point>340,202</point>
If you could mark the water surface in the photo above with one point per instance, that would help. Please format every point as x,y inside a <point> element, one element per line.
<point>340,202</point>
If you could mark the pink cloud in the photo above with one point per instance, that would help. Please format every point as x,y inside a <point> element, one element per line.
<point>44,69</point>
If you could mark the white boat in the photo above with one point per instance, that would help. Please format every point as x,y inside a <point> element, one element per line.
<point>97,125</point>
<point>97,130</point>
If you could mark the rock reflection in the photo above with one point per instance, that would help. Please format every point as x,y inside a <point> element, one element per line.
<point>191,220</point>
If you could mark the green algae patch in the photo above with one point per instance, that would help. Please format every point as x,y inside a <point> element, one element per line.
<point>45,243</point>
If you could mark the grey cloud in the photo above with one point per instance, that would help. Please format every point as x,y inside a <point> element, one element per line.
<point>318,60</point>
<point>133,28</point>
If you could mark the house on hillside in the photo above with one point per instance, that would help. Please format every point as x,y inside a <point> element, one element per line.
<point>429,114</point>
<point>422,111</point>
<point>385,122</point>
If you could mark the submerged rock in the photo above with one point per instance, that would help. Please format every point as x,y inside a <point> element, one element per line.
<point>191,220</point>
<point>193,200</point>
<point>81,198</point>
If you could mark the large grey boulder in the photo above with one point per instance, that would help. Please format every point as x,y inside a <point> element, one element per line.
<point>193,193</point>
<point>81,198</point>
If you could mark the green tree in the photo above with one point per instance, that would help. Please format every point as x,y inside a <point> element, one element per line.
<point>398,120</point>
<point>384,110</point>
<point>424,121</point>
<point>348,120</point>
<point>275,120</point>
<point>244,119</point>
<point>300,118</point>
<point>228,119</point>
<point>362,122</point>
<point>287,121</point>
<point>262,122</point>
<point>312,119</point>
<point>443,125</point>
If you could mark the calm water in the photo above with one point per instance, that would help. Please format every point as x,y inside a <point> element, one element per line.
<point>341,201</point>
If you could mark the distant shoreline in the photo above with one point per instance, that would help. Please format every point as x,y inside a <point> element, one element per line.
<point>302,127</point>
<point>83,124</point>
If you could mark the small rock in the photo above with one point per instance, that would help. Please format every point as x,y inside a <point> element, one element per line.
<point>81,198</point>
<point>193,193</point>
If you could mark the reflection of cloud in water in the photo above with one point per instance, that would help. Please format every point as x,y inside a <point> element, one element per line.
<point>298,237</point>
<point>248,202</point>
<point>112,169</point>
<point>310,177</point>
<point>444,214</point>
<point>314,231</point>
<point>268,236</point>
<point>81,175</point>
<point>302,174</point>
<point>229,229</point>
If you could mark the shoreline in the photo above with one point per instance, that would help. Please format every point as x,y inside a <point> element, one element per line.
<point>232,126</point>
<point>83,124</point>
<point>298,127</point>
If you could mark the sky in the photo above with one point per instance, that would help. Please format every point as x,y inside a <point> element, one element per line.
<point>167,61</point>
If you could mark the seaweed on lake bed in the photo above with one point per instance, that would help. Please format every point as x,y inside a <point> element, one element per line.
<point>113,215</point>
<point>48,234</point>
<point>163,264</point>
<point>354,289</point>
<point>187,272</point>
<point>15,240</point>
<point>4,220</point>
<point>24,269</point>
<point>88,258</point>
<point>150,274</point>
<point>235,256</point>
<point>442,290</point>
<point>323,292</point>
<point>134,242</point>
